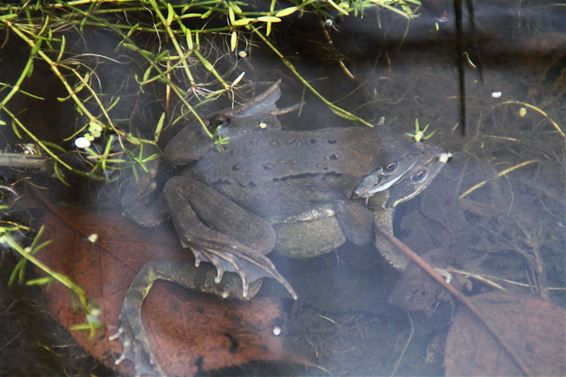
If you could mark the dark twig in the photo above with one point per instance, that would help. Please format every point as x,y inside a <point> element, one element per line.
<point>460,64</point>
<point>463,299</point>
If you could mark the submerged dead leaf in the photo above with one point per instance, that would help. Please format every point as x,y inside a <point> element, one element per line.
<point>535,329</point>
<point>189,332</point>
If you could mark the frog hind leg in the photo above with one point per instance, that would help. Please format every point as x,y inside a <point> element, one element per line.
<point>221,232</point>
<point>132,334</point>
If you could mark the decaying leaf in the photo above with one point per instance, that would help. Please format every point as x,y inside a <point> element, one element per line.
<point>535,329</point>
<point>190,332</point>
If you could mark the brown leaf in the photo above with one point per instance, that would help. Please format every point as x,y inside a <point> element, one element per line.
<point>535,329</point>
<point>188,330</point>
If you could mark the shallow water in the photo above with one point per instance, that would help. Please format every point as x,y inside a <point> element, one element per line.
<point>496,210</point>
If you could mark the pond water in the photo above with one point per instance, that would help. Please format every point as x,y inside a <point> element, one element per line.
<point>493,217</point>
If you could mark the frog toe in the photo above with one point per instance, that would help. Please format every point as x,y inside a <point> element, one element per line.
<point>247,264</point>
<point>133,351</point>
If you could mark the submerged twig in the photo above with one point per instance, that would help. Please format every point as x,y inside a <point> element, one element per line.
<point>22,160</point>
<point>424,265</point>
<point>405,347</point>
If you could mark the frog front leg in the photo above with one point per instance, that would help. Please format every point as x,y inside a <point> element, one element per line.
<point>132,334</point>
<point>221,232</point>
<point>360,224</point>
<point>383,222</point>
<point>356,222</point>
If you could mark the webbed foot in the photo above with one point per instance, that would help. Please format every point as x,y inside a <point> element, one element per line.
<point>131,331</point>
<point>135,350</point>
<point>243,261</point>
<point>132,334</point>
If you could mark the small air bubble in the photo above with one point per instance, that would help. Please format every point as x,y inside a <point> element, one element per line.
<point>444,157</point>
<point>82,142</point>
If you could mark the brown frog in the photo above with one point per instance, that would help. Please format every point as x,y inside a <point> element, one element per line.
<point>300,192</point>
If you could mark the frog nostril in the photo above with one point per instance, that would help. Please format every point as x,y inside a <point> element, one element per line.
<point>390,167</point>
<point>419,176</point>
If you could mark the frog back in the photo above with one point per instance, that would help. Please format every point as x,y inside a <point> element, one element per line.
<point>286,156</point>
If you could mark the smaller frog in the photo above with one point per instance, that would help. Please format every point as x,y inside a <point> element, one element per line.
<point>265,190</point>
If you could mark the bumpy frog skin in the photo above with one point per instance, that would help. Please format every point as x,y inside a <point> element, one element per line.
<point>302,193</point>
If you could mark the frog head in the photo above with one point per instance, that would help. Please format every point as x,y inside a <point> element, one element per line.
<point>404,178</point>
<point>423,172</point>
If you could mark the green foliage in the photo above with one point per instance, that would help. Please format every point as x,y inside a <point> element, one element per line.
<point>28,255</point>
<point>175,66</point>
<point>421,134</point>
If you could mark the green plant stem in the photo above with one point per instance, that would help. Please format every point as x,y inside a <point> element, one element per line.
<point>155,66</point>
<point>336,109</point>
<point>55,68</point>
<point>211,69</point>
<point>537,110</point>
<point>173,39</point>
<point>16,87</point>
<point>100,105</point>
<point>7,239</point>
<point>174,87</point>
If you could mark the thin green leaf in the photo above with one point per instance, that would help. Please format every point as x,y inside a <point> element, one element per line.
<point>286,12</point>
<point>242,22</point>
<point>189,39</point>
<point>159,127</point>
<point>170,14</point>
<point>269,19</point>
<point>7,17</point>
<point>59,175</point>
<point>146,73</point>
<point>39,281</point>
<point>61,48</point>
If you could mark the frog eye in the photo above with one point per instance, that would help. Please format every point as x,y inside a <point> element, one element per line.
<point>419,176</point>
<point>390,167</point>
